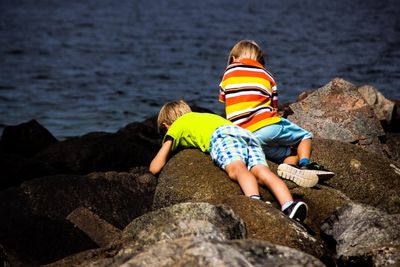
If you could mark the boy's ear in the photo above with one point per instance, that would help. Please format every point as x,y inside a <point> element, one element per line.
<point>166,125</point>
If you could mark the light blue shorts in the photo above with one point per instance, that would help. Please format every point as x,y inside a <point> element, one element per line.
<point>280,139</point>
<point>230,143</point>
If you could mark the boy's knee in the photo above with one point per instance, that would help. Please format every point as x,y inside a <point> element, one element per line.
<point>233,168</point>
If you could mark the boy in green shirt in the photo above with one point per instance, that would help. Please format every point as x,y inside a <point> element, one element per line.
<point>231,147</point>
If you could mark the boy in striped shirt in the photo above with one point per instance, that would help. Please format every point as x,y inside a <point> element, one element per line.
<point>250,94</point>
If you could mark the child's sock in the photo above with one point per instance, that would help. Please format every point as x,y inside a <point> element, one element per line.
<point>304,161</point>
<point>286,205</point>
<point>258,197</point>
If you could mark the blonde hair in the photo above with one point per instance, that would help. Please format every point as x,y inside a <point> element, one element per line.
<point>246,49</point>
<point>170,112</point>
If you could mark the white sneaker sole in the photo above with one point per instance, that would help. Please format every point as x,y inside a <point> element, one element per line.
<point>303,178</point>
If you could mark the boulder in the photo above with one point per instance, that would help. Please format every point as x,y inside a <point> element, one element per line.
<point>37,225</point>
<point>26,139</point>
<point>364,235</point>
<point>192,234</point>
<point>191,176</point>
<point>198,252</point>
<point>362,176</point>
<point>186,220</point>
<point>132,146</point>
<point>99,230</point>
<point>338,111</point>
<point>382,107</point>
<point>265,221</point>
<point>101,152</point>
<point>15,169</point>
<point>201,220</point>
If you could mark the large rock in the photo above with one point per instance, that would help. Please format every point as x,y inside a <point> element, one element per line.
<point>132,146</point>
<point>338,111</point>
<point>191,176</point>
<point>36,226</point>
<point>265,221</point>
<point>192,234</point>
<point>189,220</point>
<point>18,145</point>
<point>201,220</point>
<point>195,252</point>
<point>362,176</point>
<point>382,107</point>
<point>363,234</point>
<point>26,139</point>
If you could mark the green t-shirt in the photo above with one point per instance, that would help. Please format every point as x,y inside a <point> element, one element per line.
<point>195,129</point>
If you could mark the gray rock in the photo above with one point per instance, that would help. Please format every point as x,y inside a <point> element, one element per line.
<point>266,222</point>
<point>198,252</point>
<point>191,176</point>
<point>200,220</point>
<point>362,176</point>
<point>191,220</point>
<point>362,233</point>
<point>383,107</point>
<point>338,111</point>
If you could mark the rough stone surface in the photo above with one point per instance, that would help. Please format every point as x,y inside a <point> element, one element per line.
<point>266,222</point>
<point>100,231</point>
<point>132,146</point>
<point>193,252</point>
<point>200,220</point>
<point>362,231</point>
<point>192,176</point>
<point>338,111</point>
<point>362,176</point>
<point>383,107</point>
<point>36,212</point>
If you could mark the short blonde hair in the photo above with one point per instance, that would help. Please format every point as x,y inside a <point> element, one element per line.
<point>170,112</point>
<point>247,49</point>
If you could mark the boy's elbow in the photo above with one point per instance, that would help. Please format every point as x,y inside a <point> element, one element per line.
<point>154,168</point>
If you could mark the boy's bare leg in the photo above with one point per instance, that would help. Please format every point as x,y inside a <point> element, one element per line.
<point>303,151</point>
<point>238,172</point>
<point>278,188</point>
<point>292,160</point>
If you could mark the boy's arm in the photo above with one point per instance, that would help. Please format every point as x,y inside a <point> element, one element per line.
<point>161,158</point>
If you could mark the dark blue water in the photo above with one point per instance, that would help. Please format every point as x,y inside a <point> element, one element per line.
<point>79,66</point>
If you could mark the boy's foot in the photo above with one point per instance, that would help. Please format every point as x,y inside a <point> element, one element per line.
<point>323,174</point>
<point>304,178</point>
<point>297,211</point>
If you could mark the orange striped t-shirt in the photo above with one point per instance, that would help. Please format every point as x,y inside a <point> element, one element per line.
<point>250,95</point>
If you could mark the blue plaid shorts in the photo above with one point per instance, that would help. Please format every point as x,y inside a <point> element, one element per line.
<point>230,143</point>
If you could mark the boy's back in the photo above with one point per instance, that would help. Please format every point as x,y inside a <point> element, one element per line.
<point>195,129</point>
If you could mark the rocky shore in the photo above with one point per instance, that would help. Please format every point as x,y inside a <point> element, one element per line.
<point>90,200</point>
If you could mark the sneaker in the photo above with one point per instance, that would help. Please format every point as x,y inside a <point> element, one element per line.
<point>304,178</point>
<point>323,174</point>
<point>297,211</point>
